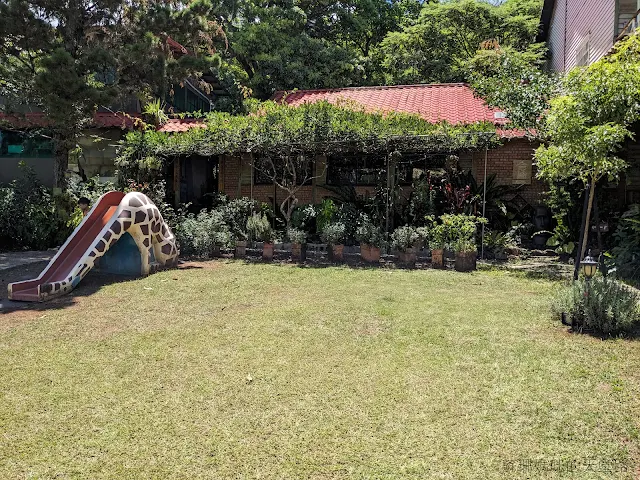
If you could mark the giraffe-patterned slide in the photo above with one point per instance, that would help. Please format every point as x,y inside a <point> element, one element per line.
<point>146,243</point>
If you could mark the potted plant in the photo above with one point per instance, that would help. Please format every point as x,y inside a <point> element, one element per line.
<point>466,253</point>
<point>298,240</point>
<point>241,245</point>
<point>437,243</point>
<point>370,238</point>
<point>259,228</point>
<point>404,240</point>
<point>221,238</point>
<point>462,230</point>
<point>333,234</point>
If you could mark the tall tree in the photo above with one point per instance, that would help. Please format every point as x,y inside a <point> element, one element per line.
<point>588,122</point>
<point>447,35</point>
<point>68,58</point>
<point>515,82</point>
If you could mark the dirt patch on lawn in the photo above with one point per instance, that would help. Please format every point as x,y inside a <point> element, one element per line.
<point>197,264</point>
<point>16,313</point>
<point>18,274</point>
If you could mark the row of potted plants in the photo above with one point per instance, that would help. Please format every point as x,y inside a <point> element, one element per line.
<point>456,233</point>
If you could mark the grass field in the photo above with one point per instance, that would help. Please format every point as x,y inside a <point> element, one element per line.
<point>270,371</point>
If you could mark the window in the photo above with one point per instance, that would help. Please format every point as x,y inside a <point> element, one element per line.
<point>370,170</point>
<point>184,99</point>
<point>583,53</point>
<point>356,169</point>
<point>264,170</point>
<point>19,144</point>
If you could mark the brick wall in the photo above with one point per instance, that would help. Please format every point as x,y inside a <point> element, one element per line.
<point>236,179</point>
<point>501,162</point>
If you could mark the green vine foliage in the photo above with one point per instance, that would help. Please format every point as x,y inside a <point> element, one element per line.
<point>587,124</point>
<point>279,130</point>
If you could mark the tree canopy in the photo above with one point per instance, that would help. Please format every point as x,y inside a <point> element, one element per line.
<point>287,44</point>
<point>70,58</point>
<point>438,46</point>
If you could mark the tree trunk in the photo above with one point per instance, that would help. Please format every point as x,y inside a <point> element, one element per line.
<point>61,161</point>
<point>585,237</point>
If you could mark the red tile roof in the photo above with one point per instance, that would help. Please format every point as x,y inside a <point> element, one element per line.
<point>453,102</point>
<point>103,120</point>
<point>100,120</point>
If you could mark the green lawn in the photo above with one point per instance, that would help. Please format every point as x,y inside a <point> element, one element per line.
<point>271,371</point>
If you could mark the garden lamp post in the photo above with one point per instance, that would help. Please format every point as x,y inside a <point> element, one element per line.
<point>589,266</point>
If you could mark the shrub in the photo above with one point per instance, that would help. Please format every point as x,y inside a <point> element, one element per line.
<point>461,230</point>
<point>296,236</point>
<point>498,242</point>
<point>333,233</point>
<point>200,234</point>
<point>259,228</point>
<point>304,218</point>
<point>91,189</point>
<point>404,238</point>
<point>348,214</point>
<point>31,217</point>
<point>325,214</point>
<point>422,201</point>
<point>368,234</point>
<point>423,233</point>
<point>438,236</point>
<point>603,306</point>
<point>236,212</point>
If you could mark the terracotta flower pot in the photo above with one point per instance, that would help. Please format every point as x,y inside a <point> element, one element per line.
<point>267,251</point>
<point>241,249</point>
<point>408,257</point>
<point>298,252</point>
<point>465,261</point>
<point>437,258</point>
<point>336,253</point>
<point>369,253</point>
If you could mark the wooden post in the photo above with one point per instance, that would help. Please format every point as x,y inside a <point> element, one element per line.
<point>252,175</point>
<point>176,181</point>
<point>222,160</point>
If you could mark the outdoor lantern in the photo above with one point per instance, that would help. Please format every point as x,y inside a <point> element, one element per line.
<point>589,266</point>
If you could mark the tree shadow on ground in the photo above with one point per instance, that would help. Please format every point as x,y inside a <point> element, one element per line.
<point>352,261</point>
<point>550,271</point>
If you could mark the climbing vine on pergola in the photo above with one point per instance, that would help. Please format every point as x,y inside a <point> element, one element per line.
<point>278,130</point>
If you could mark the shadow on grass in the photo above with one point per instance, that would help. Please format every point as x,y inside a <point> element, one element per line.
<point>92,283</point>
<point>553,272</point>
<point>631,335</point>
<point>351,261</point>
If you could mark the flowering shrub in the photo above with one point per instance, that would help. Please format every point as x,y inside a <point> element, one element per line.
<point>602,305</point>
<point>404,238</point>
<point>200,234</point>
<point>367,233</point>
<point>333,233</point>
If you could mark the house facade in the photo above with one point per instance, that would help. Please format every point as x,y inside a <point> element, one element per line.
<point>580,32</point>
<point>237,175</point>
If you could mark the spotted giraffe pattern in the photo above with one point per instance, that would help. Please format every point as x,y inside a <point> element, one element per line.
<point>138,216</point>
